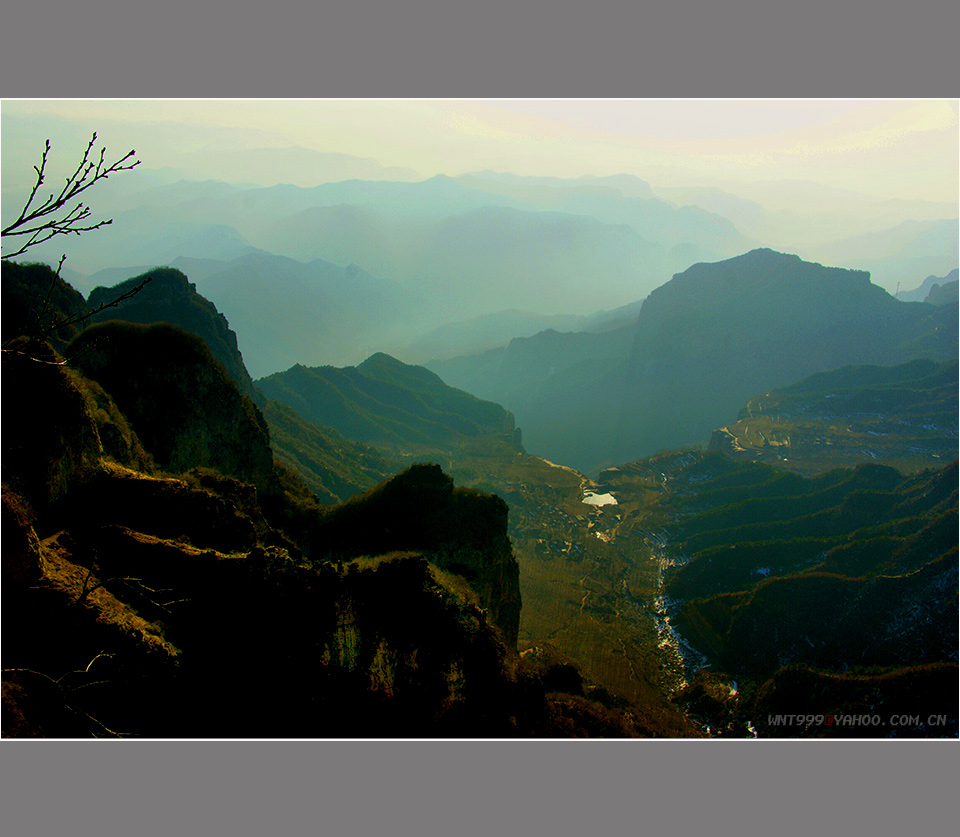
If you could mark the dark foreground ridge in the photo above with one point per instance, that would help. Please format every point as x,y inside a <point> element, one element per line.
<point>163,576</point>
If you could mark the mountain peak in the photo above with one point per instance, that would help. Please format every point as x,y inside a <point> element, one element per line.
<point>170,297</point>
<point>443,179</point>
<point>767,255</point>
<point>771,267</point>
<point>384,400</point>
<point>381,359</point>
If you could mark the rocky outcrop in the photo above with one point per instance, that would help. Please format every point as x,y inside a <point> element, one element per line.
<point>461,531</point>
<point>187,411</point>
<point>169,297</point>
<point>161,578</point>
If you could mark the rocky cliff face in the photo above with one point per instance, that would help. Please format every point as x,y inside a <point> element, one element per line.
<point>169,297</point>
<point>463,532</point>
<point>160,578</point>
<point>187,410</point>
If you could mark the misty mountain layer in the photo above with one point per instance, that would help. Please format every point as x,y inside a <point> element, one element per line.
<point>703,344</point>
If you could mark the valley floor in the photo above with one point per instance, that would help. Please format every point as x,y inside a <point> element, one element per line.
<point>590,580</point>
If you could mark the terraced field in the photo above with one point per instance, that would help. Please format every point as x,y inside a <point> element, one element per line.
<point>904,416</point>
<point>853,572</point>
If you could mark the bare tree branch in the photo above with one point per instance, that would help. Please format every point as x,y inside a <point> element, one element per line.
<point>40,223</point>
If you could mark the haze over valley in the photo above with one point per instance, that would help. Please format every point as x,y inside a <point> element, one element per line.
<point>438,248</point>
<point>483,419</point>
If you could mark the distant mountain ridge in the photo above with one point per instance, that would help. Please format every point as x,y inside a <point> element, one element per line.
<point>922,291</point>
<point>900,254</point>
<point>716,334</point>
<point>386,402</point>
<point>487,257</point>
<point>703,344</point>
<point>620,199</point>
<point>494,332</point>
<point>592,243</point>
<point>287,312</point>
<point>557,384</point>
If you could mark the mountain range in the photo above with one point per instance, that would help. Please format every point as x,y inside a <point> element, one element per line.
<point>525,535</point>
<point>154,550</point>
<point>383,401</point>
<point>922,291</point>
<point>701,345</point>
<point>717,334</point>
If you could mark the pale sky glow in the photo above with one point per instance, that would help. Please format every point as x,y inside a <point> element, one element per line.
<point>905,149</point>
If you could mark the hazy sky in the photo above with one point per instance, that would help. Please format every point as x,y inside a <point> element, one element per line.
<point>906,149</point>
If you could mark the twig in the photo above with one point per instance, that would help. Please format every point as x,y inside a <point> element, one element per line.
<point>40,224</point>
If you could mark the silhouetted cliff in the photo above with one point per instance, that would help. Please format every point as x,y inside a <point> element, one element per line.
<point>163,578</point>
<point>170,297</point>
<point>187,410</point>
